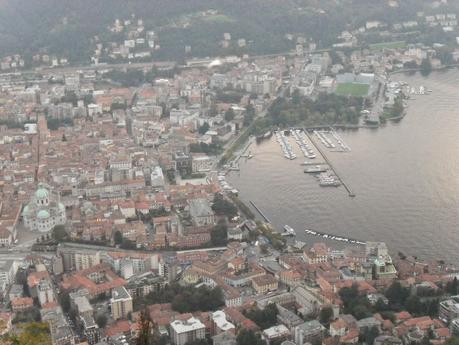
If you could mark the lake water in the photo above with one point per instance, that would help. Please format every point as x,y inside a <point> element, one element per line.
<point>405,176</point>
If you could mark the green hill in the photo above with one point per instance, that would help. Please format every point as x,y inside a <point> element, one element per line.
<point>67,27</point>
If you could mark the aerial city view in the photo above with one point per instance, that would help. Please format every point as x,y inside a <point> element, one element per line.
<point>229,172</point>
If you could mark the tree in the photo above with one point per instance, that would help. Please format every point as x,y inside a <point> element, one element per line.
<point>59,233</point>
<point>128,244</point>
<point>221,206</point>
<point>229,115</point>
<point>204,128</point>
<point>452,341</point>
<point>202,299</point>
<point>296,97</point>
<point>354,303</point>
<point>248,337</point>
<point>414,305</point>
<point>326,315</point>
<point>380,305</point>
<point>371,334</point>
<point>33,333</point>
<point>249,114</point>
<point>361,311</point>
<point>101,320</point>
<point>426,67</point>
<point>144,337</point>
<point>452,287</point>
<point>397,295</point>
<point>118,237</point>
<point>219,235</point>
<point>264,318</point>
<point>348,294</point>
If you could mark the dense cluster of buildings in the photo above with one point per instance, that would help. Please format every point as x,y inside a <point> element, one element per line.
<point>109,283</point>
<point>100,161</point>
<point>125,179</point>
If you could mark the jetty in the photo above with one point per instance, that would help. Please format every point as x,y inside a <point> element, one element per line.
<point>332,168</point>
<point>259,211</point>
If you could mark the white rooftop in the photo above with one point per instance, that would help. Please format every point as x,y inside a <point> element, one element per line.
<point>219,317</point>
<point>192,324</point>
<point>275,331</point>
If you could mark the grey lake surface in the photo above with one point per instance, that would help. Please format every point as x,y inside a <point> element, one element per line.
<point>405,176</point>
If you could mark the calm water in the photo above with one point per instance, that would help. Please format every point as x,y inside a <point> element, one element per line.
<point>405,177</point>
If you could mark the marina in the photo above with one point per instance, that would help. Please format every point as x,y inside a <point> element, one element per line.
<point>397,172</point>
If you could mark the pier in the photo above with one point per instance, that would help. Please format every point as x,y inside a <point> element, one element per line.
<point>346,186</point>
<point>259,211</point>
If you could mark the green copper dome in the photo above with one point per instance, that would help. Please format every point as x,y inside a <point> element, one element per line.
<point>42,193</point>
<point>43,214</point>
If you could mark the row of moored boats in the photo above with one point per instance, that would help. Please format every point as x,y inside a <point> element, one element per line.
<point>328,179</point>
<point>340,142</point>
<point>321,135</point>
<point>289,231</point>
<point>282,139</point>
<point>303,145</point>
<point>333,237</point>
<point>225,185</point>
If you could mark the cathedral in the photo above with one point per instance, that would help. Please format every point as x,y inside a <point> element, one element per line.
<point>44,211</point>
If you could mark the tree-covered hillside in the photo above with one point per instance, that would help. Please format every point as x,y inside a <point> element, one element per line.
<point>67,27</point>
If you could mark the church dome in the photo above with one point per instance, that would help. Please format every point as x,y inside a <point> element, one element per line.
<point>43,214</point>
<point>42,193</point>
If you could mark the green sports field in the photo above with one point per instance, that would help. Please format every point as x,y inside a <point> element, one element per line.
<point>352,89</point>
<point>388,45</point>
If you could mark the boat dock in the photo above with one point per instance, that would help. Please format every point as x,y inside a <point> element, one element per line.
<point>259,211</point>
<point>242,153</point>
<point>332,168</point>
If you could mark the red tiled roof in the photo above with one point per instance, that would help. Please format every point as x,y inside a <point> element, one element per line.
<point>402,316</point>
<point>22,301</point>
<point>119,327</point>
